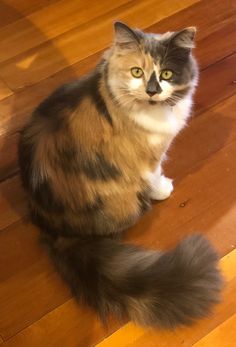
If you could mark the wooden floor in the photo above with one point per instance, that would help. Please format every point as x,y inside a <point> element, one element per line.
<point>44,43</point>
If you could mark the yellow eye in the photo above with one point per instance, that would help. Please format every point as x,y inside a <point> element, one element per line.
<point>136,72</point>
<point>166,74</point>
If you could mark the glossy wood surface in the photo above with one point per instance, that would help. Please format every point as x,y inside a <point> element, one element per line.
<point>45,43</point>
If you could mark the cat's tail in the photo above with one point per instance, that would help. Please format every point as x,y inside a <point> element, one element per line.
<point>151,288</point>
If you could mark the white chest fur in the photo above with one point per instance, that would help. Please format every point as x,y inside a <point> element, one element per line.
<point>163,122</point>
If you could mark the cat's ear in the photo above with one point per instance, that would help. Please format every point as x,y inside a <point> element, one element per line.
<point>184,38</point>
<point>125,37</point>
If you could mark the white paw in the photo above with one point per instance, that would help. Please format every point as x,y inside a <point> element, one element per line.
<point>162,188</point>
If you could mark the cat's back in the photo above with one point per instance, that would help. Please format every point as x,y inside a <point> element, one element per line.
<point>58,106</point>
<point>64,124</point>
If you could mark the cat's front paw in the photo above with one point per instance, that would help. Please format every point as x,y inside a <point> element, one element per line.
<point>162,188</point>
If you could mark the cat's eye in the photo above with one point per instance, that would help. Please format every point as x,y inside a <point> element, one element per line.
<point>166,74</point>
<point>136,72</point>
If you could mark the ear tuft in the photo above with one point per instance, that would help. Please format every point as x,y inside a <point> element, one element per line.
<point>185,38</point>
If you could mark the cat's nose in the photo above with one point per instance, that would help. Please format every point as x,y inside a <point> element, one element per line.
<point>151,92</point>
<point>153,87</point>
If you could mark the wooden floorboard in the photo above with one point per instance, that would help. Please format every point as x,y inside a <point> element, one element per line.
<point>48,23</point>
<point>222,335</point>
<point>217,83</point>
<point>76,44</point>
<point>189,210</point>
<point>47,42</point>
<point>13,10</point>
<point>12,207</point>
<point>68,325</point>
<point>4,90</point>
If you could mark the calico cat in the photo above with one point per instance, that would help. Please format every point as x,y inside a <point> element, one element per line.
<point>90,160</point>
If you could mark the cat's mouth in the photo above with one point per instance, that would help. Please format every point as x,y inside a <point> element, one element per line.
<point>169,101</point>
<point>152,102</point>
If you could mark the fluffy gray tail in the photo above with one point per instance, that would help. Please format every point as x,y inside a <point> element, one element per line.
<point>151,288</point>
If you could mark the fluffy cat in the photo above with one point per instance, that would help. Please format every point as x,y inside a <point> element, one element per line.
<point>90,161</point>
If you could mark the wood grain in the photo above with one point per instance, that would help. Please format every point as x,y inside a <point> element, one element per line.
<point>22,252</point>
<point>218,122</point>
<point>45,43</point>
<point>213,89</point>
<point>12,206</point>
<point>68,325</point>
<point>13,10</point>
<point>214,216</point>
<point>49,22</point>
<point>8,158</point>
<point>76,44</point>
<point>29,286</point>
<point>224,334</point>
<point>208,17</point>
<point>4,90</point>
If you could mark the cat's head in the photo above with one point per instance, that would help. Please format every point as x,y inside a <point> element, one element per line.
<point>151,68</point>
